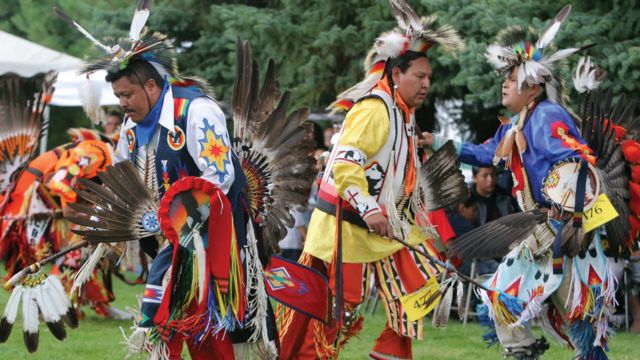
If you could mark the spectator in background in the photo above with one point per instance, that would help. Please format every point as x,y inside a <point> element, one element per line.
<point>493,201</point>
<point>464,216</point>
<point>328,134</point>
<point>112,123</point>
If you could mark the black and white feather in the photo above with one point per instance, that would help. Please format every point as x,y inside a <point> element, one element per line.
<point>140,17</point>
<point>41,297</point>
<point>587,76</point>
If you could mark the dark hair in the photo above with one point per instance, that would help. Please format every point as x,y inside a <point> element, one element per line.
<point>138,71</point>
<point>402,62</point>
<point>476,169</point>
<point>469,201</point>
<point>114,113</point>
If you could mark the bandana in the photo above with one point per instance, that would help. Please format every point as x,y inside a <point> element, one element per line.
<point>147,127</point>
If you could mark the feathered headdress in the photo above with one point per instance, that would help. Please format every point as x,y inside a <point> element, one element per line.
<point>143,44</point>
<point>524,47</point>
<point>413,33</point>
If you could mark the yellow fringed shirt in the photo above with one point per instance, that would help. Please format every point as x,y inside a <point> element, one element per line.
<point>366,128</point>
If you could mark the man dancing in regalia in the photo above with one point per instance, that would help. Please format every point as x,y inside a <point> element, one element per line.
<point>555,250</point>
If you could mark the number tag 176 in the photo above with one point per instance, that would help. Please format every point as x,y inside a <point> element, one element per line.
<point>599,214</point>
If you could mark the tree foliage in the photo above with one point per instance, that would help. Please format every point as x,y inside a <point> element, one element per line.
<point>319,46</point>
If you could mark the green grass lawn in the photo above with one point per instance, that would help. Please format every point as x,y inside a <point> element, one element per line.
<point>97,338</point>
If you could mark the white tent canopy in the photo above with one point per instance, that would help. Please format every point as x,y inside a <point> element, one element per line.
<point>70,88</point>
<point>27,59</point>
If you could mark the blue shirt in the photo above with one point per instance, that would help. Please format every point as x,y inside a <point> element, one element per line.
<point>543,130</point>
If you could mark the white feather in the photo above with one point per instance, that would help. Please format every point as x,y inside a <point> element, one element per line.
<point>443,309</point>
<point>462,310</point>
<point>137,23</point>
<point>584,76</point>
<point>522,75</point>
<point>57,287</point>
<point>360,89</point>
<point>84,32</point>
<point>552,90</point>
<point>548,36</point>
<point>49,314</point>
<point>496,53</point>
<point>406,17</point>
<point>52,296</point>
<point>201,261</point>
<point>90,94</point>
<point>29,311</point>
<point>560,54</point>
<point>390,44</point>
<point>86,271</point>
<point>11,309</point>
<point>580,73</point>
<point>535,72</point>
<point>550,32</point>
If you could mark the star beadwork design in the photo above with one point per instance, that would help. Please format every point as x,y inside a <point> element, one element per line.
<point>214,150</point>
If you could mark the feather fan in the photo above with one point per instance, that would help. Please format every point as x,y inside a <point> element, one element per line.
<point>22,104</point>
<point>275,149</point>
<point>496,238</point>
<point>121,209</point>
<point>444,183</point>
<point>602,124</point>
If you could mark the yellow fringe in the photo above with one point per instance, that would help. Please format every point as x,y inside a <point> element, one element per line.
<point>324,348</point>
<point>502,314</point>
<point>234,297</point>
<point>223,308</point>
<point>589,304</point>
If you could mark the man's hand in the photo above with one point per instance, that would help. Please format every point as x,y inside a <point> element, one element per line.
<point>68,212</point>
<point>379,224</point>
<point>427,139</point>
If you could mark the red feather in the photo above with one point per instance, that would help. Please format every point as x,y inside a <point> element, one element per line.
<point>634,202</point>
<point>631,151</point>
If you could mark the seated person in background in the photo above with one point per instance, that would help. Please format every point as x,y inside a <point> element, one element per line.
<point>464,216</point>
<point>493,201</point>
